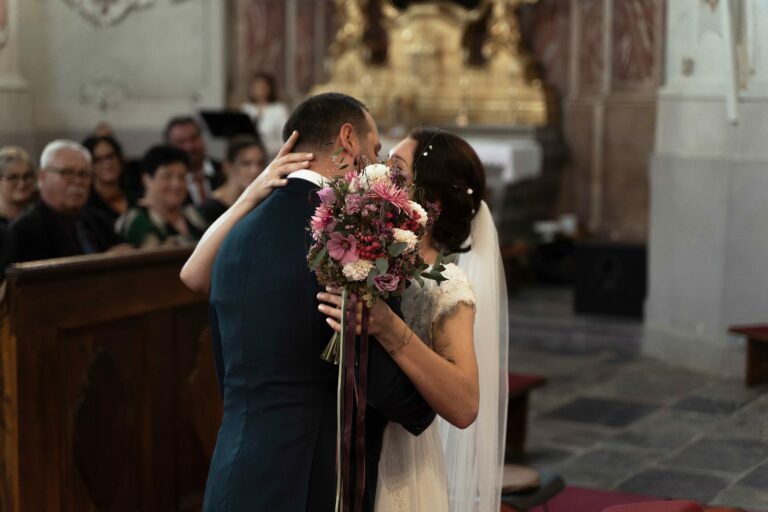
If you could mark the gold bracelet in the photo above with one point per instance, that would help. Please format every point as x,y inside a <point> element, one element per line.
<point>406,340</point>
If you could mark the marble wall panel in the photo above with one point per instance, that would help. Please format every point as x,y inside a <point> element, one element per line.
<point>306,34</point>
<point>591,64</point>
<point>289,39</point>
<point>636,32</point>
<point>546,32</point>
<point>3,21</point>
<point>579,129</point>
<point>629,133</point>
<point>260,25</point>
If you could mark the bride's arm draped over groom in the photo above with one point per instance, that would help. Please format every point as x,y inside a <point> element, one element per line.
<point>276,447</point>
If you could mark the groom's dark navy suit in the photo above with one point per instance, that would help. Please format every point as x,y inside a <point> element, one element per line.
<point>276,446</point>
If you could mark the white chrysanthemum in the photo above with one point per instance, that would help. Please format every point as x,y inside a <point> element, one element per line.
<point>407,237</point>
<point>421,212</point>
<point>357,270</point>
<point>374,173</point>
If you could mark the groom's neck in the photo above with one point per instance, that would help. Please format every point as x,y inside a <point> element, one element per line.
<point>325,166</point>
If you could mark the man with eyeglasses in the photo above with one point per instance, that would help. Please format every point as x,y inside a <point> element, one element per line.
<point>61,224</point>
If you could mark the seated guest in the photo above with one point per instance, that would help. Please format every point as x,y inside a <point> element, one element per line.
<point>106,192</point>
<point>17,183</point>
<point>245,161</point>
<point>267,112</point>
<point>205,173</point>
<point>162,218</point>
<point>6,251</point>
<point>61,224</point>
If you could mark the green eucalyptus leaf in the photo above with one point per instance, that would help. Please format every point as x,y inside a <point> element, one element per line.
<point>397,248</point>
<point>382,265</point>
<point>315,263</point>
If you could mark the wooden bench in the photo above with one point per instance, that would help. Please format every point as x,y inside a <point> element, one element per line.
<point>520,386</point>
<point>757,352</point>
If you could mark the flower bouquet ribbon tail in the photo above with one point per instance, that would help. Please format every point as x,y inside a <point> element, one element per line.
<point>351,406</point>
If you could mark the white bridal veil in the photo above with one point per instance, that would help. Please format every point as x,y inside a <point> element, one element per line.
<point>475,456</point>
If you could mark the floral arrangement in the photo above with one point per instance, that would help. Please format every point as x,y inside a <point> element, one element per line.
<point>366,232</point>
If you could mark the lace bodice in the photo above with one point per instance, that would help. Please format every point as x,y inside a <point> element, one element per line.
<point>424,306</point>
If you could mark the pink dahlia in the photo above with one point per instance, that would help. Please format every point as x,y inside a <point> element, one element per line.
<point>392,194</point>
<point>341,248</point>
<point>321,218</point>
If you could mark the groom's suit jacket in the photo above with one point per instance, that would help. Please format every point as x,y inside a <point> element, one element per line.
<point>276,447</point>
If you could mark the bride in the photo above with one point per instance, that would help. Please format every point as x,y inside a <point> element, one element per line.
<point>449,331</point>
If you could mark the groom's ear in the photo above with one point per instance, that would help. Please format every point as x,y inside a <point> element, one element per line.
<point>348,139</point>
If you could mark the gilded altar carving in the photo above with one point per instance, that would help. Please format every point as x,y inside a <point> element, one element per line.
<point>427,76</point>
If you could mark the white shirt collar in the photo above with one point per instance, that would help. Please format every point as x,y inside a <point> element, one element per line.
<point>311,176</point>
<point>208,168</point>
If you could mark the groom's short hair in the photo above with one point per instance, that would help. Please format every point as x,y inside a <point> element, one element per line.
<point>319,118</point>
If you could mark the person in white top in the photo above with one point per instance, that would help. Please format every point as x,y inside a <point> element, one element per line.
<point>268,114</point>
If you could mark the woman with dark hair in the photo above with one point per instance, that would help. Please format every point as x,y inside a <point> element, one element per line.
<point>162,218</point>
<point>245,161</point>
<point>268,113</point>
<point>106,193</point>
<point>448,331</point>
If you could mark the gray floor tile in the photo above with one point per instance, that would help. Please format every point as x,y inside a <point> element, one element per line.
<point>654,439</point>
<point>553,432</point>
<point>596,411</point>
<point>657,385</point>
<point>708,405</point>
<point>541,457</point>
<point>675,484</point>
<point>726,455</point>
<point>747,497</point>
<point>602,467</point>
<point>757,478</point>
<point>749,421</point>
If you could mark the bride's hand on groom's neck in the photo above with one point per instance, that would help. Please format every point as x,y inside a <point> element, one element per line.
<point>274,175</point>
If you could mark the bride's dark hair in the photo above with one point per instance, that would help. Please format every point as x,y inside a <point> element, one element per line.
<point>449,173</point>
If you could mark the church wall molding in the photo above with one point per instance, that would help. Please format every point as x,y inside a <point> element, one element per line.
<point>107,13</point>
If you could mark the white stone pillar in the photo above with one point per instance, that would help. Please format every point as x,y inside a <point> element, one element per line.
<point>709,191</point>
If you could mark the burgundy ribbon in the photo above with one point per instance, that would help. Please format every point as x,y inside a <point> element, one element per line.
<point>362,394</point>
<point>355,393</point>
<point>348,406</point>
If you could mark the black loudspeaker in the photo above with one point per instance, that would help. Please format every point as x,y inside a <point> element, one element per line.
<point>610,279</point>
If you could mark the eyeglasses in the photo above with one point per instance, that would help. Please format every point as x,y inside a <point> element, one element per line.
<point>70,174</point>
<point>15,179</point>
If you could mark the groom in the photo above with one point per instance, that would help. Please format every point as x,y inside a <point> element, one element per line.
<point>276,446</point>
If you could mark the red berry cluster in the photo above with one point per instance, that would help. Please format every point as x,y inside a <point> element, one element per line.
<point>369,248</point>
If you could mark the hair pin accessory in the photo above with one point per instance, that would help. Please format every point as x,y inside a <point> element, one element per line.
<point>470,191</point>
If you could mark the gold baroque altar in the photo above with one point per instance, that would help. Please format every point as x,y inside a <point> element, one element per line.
<point>426,75</point>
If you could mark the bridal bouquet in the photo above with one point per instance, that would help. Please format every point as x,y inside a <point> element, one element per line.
<point>366,232</point>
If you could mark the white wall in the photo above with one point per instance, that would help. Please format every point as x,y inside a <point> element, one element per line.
<point>162,59</point>
<point>709,192</point>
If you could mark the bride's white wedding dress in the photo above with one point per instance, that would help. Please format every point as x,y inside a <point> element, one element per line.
<point>412,471</point>
<point>446,468</point>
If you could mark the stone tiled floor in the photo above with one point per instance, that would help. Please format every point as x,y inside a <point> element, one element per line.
<point>610,418</point>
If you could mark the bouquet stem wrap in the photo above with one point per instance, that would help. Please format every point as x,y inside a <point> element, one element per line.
<point>351,403</point>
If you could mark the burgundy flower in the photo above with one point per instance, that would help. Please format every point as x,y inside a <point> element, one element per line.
<point>386,283</point>
<point>343,249</point>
